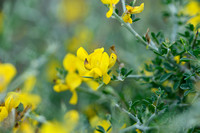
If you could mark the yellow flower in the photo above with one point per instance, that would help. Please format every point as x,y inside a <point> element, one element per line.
<point>83,65</point>
<point>52,127</point>
<point>97,63</point>
<point>111,4</point>
<point>3,113</point>
<point>99,122</point>
<point>71,119</point>
<point>72,80</point>
<point>132,10</point>
<point>13,99</point>
<point>25,127</point>
<point>127,18</point>
<point>29,99</point>
<point>50,70</point>
<point>138,131</point>
<point>135,10</point>
<point>72,10</point>
<point>193,9</point>
<point>7,72</point>
<point>177,59</point>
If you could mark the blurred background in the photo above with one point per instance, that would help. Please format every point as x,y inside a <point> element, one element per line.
<point>35,35</point>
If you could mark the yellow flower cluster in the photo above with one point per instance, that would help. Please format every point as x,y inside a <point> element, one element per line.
<point>13,100</point>
<point>94,65</point>
<point>127,14</point>
<point>132,10</point>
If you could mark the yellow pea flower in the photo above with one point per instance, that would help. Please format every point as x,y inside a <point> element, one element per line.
<point>127,18</point>
<point>13,99</point>
<point>29,99</point>
<point>3,113</point>
<point>111,4</point>
<point>131,10</point>
<point>68,62</point>
<point>105,124</point>
<point>97,63</point>
<point>135,10</point>
<point>7,72</point>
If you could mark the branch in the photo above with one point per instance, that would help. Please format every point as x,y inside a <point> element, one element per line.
<point>129,114</point>
<point>152,46</point>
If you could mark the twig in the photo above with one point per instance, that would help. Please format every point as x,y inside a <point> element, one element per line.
<point>123,5</point>
<point>152,46</point>
<point>129,114</point>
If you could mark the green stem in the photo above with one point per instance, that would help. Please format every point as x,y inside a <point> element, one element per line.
<point>152,46</point>
<point>129,114</point>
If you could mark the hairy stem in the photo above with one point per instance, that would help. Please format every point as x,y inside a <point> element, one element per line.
<point>152,46</point>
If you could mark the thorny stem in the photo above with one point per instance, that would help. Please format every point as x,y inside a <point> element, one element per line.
<point>152,46</point>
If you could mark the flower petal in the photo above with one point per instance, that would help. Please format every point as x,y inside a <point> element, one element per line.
<point>74,98</point>
<point>127,18</point>
<point>73,80</point>
<point>106,78</point>
<point>112,60</point>
<point>136,9</point>
<point>3,113</point>
<point>68,62</point>
<point>110,12</point>
<point>93,84</point>
<point>82,54</point>
<point>104,63</point>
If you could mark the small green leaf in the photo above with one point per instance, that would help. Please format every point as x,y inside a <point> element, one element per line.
<point>123,71</point>
<point>186,59</point>
<point>136,19</point>
<point>187,92</point>
<point>20,108</point>
<point>100,129</point>
<point>176,84</point>
<point>108,128</point>
<point>165,77</point>
<point>117,11</point>
<point>184,86</point>
<point>154,37</point>
<point>128,73</point>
